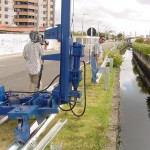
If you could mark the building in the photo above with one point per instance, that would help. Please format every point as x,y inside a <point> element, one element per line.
<point>24,13</point>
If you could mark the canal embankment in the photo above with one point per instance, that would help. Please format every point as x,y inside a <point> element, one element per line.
<point>143,65</point>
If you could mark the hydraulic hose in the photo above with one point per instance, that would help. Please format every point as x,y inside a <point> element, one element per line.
<point>71,107</point>
<point>42,91</point>
<point>79,115</point>
<point>40,75</point>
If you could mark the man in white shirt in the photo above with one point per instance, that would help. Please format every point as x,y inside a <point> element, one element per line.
<point>32,54</point>
<point>95,55</point>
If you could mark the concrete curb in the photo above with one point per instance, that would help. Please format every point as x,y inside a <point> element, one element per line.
<point>113,129</point>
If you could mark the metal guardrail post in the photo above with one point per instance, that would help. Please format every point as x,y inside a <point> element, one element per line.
<point>98,75</point>
<point>111,61</point>
<point>115,46</point>
<point>105,71</point>
<point>106,79</point>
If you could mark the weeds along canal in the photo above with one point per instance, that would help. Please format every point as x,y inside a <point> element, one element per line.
<point>134,108</point>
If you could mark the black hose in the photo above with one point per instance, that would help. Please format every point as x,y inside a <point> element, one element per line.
<point>42,91</point>
<point>69,108</point>
<point>79,115</point>
<point>50,83</point>
<point>40,76</point>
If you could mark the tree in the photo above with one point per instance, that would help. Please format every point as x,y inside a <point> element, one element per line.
<point>120,36</point>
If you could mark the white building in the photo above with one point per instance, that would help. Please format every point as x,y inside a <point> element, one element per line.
<point>24,12</point>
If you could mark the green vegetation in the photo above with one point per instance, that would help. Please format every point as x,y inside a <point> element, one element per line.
<point>115,54</point>
<point>89,131</point>
<point>120,36</point>
<point>117,57</point>
<point>108,35</point>
<point>7,133</point>
<point>143,48</point>
<point>139,40</point>
<point>122,45</point>
<point>147,41</point>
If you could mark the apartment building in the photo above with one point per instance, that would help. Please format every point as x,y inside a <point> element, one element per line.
<point>25,12</point>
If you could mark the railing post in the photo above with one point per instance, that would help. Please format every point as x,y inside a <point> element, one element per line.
<point>106,77</point>
<point>111,61</point>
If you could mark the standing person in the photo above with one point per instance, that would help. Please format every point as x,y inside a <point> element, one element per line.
<point>32,54</point>
<point>95,55</point>
<point>46,43</point>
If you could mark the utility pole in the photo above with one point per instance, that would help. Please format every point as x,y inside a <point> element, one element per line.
<point>73,17</point>
<point>98,27</point>
<point>105,32</point>
<point>82,25</point>
<point>37,27</point>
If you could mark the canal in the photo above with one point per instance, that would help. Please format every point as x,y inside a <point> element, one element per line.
<point>134,109</point>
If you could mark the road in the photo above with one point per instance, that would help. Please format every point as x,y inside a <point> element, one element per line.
<point>13,73</point>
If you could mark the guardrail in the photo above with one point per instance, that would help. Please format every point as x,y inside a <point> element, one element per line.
<point>105,70</point>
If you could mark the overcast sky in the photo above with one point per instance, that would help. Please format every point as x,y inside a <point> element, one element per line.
<point>128,16</point>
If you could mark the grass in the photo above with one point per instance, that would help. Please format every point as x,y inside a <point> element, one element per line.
<point>7,133</point>
<point>89,131</point>
<point>85,133</point>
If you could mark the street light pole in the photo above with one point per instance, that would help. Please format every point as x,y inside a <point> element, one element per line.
<point>82,25</point>
<point>105,32</point>
<point>37,27</point>
<point>98,27</point>
<point>91,41</point>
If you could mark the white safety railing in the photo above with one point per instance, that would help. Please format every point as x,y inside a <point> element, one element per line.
<point>50,135</point>
<point>105,70</point>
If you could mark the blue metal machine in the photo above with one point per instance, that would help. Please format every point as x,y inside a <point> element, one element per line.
<point>43,103</point>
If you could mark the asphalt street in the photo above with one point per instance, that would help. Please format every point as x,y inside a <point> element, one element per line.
<point>13,73</point>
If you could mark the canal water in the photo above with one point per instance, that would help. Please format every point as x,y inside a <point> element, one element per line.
<point>134,109</point>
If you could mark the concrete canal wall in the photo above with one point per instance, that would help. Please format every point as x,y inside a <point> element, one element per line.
<point>145,59</point>
<point>143,65</point>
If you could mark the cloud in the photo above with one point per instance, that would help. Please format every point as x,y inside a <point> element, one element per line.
<point>144,20</point>
<point>144,1</point>
<point>107,16</point>
<point>123,14</point>
<point>97,11</point>
<point>129,15</point>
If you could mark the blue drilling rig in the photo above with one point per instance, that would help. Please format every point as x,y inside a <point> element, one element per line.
<point>42,103</point>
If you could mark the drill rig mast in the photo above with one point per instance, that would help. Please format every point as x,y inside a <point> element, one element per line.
<point>42,103</point>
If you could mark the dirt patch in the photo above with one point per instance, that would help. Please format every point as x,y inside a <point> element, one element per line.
<point>113,130</point>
